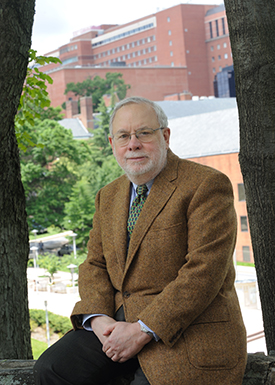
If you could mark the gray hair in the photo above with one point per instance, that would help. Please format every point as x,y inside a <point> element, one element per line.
<point>161,117</point>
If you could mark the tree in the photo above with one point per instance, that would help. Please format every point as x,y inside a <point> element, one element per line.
<point>16,19</point>
<point>49,171</point>
<point>98,86</point>
<point>252,30</point>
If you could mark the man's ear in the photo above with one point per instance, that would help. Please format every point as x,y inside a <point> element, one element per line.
<point>166,135</point>
<point>111,142</point>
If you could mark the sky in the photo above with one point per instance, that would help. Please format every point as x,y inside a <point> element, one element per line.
<point>55,21</point>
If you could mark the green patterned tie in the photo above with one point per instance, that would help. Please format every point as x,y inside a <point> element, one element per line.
<point>136,207</point>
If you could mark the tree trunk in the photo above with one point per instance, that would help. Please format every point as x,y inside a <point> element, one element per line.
<point>16,19</point>
<point>252,31</point>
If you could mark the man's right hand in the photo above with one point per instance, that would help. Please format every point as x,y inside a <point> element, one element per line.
<point>99,324</point>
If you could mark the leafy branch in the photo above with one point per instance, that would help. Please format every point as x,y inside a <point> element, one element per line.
<point>34,97</point>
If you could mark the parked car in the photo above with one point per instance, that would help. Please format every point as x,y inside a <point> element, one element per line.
<point>65,249</point>
<point>40,229</point>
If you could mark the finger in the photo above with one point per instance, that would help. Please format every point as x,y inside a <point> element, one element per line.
<point>108,330</point>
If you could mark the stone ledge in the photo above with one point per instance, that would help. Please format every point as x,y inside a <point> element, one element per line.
<point>16,372</point>
<point>260,370</point>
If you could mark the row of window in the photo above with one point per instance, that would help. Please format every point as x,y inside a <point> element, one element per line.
<point>218,46</point>
<point>131,55</point>
<point>125,47</point>
<point>244,223</point>
<point>215,25</point>
<point>135,64</point>
<point>219,57</point>
<point>68,49</point>
<point>124,34</point>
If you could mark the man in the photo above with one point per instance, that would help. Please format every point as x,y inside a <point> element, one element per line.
<point>157,292</point>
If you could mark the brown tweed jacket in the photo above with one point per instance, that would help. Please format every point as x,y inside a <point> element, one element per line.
<point>178,277</point>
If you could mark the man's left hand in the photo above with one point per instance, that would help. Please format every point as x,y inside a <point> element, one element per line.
<point>124,341</point>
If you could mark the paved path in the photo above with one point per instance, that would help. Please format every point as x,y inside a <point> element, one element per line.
<point>63,304</point>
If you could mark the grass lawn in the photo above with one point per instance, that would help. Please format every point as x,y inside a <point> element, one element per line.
<point>38,348</point>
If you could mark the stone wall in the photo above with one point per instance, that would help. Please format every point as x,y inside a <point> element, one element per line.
<point>260,370</point>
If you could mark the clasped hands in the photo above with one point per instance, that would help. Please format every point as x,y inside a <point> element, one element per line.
<point>120,340</point>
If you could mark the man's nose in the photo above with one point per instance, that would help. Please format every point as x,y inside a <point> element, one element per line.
<point>134,143</point>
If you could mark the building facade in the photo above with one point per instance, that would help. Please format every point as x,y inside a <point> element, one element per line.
<point>191,42</point>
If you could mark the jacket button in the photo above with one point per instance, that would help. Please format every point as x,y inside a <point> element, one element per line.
<point>126,294</point>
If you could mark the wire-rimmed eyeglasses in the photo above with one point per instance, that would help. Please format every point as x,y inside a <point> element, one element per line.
<point>144,135</point>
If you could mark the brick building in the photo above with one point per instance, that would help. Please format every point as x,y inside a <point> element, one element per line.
<point>176,51</point>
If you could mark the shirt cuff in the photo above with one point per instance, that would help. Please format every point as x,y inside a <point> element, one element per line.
<point>156,337</point>
<point>86,321</point>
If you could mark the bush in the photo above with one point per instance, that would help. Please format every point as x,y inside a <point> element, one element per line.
<point>57,323</point>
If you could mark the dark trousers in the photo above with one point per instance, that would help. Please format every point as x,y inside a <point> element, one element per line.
<point>78,359</point>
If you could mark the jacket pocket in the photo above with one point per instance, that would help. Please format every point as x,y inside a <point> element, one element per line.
<point>212,345</point>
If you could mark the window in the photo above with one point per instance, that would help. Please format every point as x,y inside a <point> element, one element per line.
<point>224,45</point>
<point>169,32</point>
<point>113,50</point>
<point>213,59</point>
<point>214,70</point>
<point>244,224</point>
<point>128,46</point>
<point>144,51</point>
<point>225,56</point>
<point>134,54</point>
<point>187,51</point>
<point>223,26</point>
<point>211,31</point>
<point>123,48</point>
<point>148,40</point>
<point>144,61</point>
<point>133,44</point>
<point>129,56</point>
<point>172,64</point>
<point>246,253</point>
<point>241,192</point>
<point>149,49</point>
<point>220,68</point>
<point>171,53</point>
<point>212,48</point>
<point>118,49</point>
<point>170,42</point>
<point>218,46</point>
<point>108,52</point>
<point>143,41</point>
<point>219,57</point>
<point>217,28</point>
<point>168,19</point>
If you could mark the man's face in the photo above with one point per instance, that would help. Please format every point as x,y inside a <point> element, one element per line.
<point>140,161</point>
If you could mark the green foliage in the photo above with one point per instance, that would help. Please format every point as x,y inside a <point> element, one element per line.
<point>57,323</point>
<point>49,171</point>
<point>98,86</point>
<point>51,263</point>
<point>34,98</point>
<point>62,176</point>
<point>81,208</point>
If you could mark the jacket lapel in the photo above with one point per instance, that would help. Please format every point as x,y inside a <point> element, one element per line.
<point>160,193</point>
<point>121,203</point>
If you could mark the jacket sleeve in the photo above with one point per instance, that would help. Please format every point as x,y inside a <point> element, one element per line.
<point>208,272</point>
<point>95,289</point>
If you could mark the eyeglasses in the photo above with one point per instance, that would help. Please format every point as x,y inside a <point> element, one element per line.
<point>144,135</point>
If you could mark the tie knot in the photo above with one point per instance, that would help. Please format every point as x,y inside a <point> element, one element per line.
<point>142,189</point>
